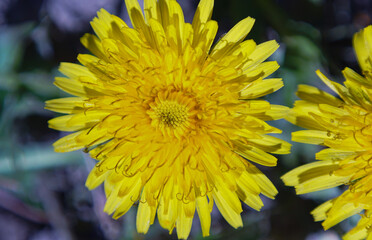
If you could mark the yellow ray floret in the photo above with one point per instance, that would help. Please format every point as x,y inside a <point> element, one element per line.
<point>173,121</point>
<point>343,124</point>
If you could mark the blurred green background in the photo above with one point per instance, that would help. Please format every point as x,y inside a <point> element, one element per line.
<point>42,193</point>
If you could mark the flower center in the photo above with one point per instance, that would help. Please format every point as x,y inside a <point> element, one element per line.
<point>171,113</point>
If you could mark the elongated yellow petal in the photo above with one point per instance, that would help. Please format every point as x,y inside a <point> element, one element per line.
<point>205,39</point>
<point>67,143</point>
<point>351,75</point>
<point>204,214</point>
<point>102,24</point>
<point>261,53</point>
<point>308,171</point>
<point>143,217</point>
<point>95,178</point>
<point>262,70</point>
<point>310,136</point>
<point>151,10</point>
<point>202,15</point>
<point>234,36</point>
<point>334,154</point>
<point>318,183</point>
<point>271,144</point>
<point>320,212</point>
<point>347,210</point>
<point>66,105</point>
<point>256,155</point>
<point>361,234</point>
<point>261,88</point>
<point>92,43</point>
<point>135,13</point>
<point>158,34</point>
<point>184,222</point>
<point>362,43</point>
<point>226,205</point>
<point>176,16</point>
<point>267,188</point>
<point>313,94</point>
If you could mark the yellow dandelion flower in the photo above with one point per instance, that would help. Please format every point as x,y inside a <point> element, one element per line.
<point>344,126</point>
<point>171,120</point>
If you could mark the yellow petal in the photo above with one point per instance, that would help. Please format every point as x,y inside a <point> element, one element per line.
<point>351,75</point>
<point>158,35</point>
<point>271,144</point>
<point>145,214</point>
<point>66,105</point>
<point>75,88</point>
<point>314,176</point>
<point>94,179</point>
<point>362,42</point>
<point>320,212</point>
<point>135,13</point>
<point>334,154</point>
<point>93,44</point>
<point>227,202</point>
<point>267,188</point>
<point>202,15</point>
<point>205,39</point>
<point>102,24</point>
<point>184,222</point>
<point>315,95</point>
<point>233,37</point>
<point>249,198</point>
<point>262,70</point>
<point>336,87</point>
<point>77,121</point>
<point>74,71</point>
<point>204,214</point>
<point>357,235</point>
<point>310,136</point>
<point>151,10</point>
<point>261,53</point>
<point>348,209</point>
<point>255,154</point>
<point>168,218</point>
<point>178,20</point>
<point>261,88</point>
<point>320,182</point>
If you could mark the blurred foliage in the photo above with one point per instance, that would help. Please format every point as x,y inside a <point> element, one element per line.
<point>25,147</point>
<point>22,95</point>
<point>42,193</point>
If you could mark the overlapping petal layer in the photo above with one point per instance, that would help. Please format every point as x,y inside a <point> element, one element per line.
<point>344,125</point>
<point>172,120</point>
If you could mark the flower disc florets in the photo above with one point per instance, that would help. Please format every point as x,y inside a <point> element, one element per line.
<point>171,114</point>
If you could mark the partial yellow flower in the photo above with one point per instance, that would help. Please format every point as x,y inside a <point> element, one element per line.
<point>171,120</point>
<point>344,126</point>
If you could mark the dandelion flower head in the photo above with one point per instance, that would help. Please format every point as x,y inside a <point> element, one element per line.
<point>170,119</point>
<point>344,125</point>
